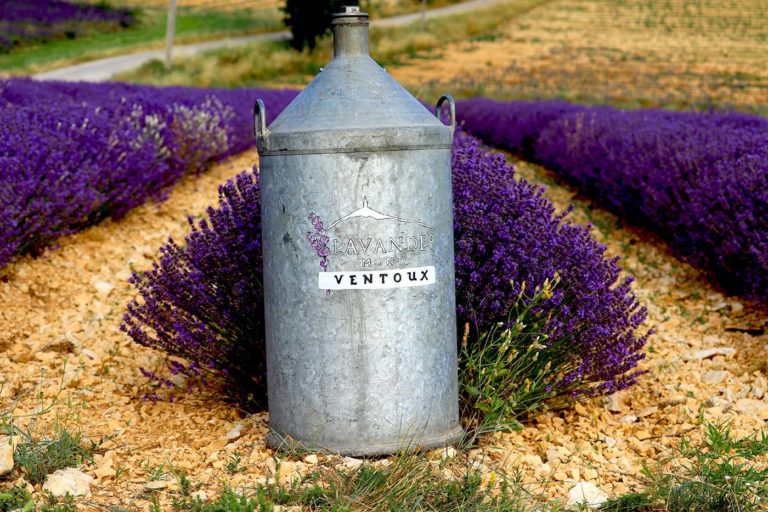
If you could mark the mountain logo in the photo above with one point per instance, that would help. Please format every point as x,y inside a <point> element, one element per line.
<point>366,212</point>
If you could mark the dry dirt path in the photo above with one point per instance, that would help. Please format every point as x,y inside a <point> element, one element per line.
<point>102,70</point>
<point>60,314</point>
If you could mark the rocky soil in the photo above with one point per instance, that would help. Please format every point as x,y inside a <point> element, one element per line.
<point>59,334</point>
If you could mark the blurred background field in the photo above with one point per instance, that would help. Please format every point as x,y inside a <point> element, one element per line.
<point>197,20</point>
<point>672,53</point>
<point>667,53</point>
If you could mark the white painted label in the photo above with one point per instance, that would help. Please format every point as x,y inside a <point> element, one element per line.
<point>377,279</point>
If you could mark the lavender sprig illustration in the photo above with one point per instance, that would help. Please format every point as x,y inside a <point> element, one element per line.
<point>319,241</point>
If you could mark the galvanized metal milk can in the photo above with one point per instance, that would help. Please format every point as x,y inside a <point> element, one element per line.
<point>358,261</point>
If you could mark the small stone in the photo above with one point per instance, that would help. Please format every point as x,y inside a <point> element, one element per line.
<point>613,403</point>
<point>20,482</point>
<point>673,400</point>
<point>104,467</point>
<point>590,474</point>
<point>532,460</point>
<point>737,307</point>
<point>718,306</point>
<point>586,493</point>
<point>68,481</point>
<point>311,459</point>
<point>199,495</point>
<point>157,485</point>
<point>90,354</point>
<point>648,411</point>
<point>553,454</point>
<point>270,467</point>
<point>609,441</point>
<point>6,457</point>
<point>104,288</point>
<point>707,353</point>
<point>216,445</point>
<point>351,463</point>
<point>449,452</point>
<point>234,433</point>
<point>750,406</point>
<point>629,418</point>
<point>288,473</point>
<point>715,401</point>
<point>714,377</point>
<point>643,435</point>
<point>758,392</point>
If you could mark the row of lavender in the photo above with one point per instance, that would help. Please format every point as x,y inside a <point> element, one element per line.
<point>72,155</point>
<point>26,21</point>
<point>700,180</point>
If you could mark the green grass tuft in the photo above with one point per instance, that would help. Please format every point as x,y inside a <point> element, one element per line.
<point>721,474</point>
<point>409,483</point>
<point>40,458</point>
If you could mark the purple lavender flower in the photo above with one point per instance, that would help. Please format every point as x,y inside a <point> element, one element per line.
<point>699,180</point>
<point>507,230</point>
<point>39,21</point>
<point>203,300</point>
<point>73,154</point>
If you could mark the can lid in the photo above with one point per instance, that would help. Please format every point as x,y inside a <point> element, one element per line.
<point>353,105</point>
<point>349,11</point>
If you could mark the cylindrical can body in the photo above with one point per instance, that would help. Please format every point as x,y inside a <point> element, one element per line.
<point>357,227</point>
<point>361,332</point>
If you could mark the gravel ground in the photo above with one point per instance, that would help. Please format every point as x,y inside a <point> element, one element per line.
<point>59,332</point>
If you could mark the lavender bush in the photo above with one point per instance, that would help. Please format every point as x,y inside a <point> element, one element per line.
<point>74,154</point>
<point>202,301</point>
<point>34,21</point>
<point>507,230</point>
<point>700,180</point>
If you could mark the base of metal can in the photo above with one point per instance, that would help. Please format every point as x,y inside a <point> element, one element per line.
<point>279,441</point>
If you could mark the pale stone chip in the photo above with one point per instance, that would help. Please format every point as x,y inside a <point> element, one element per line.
<point>586,493</point>
<point>6,458</point>
<point>714,377</point>
<point>104,288</point>
<point>709,353</point>
<point>68,481</point>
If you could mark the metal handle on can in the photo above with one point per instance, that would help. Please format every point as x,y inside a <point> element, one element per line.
<point>260,125</point>
<point>452,104</point>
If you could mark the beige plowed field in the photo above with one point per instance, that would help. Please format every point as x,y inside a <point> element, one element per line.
<point>646,53</point>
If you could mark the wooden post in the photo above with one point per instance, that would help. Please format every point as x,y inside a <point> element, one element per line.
<point>169,32</point>
<point>423,15</point>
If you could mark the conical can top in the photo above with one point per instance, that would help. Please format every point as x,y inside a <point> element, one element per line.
<point>353,104</point>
